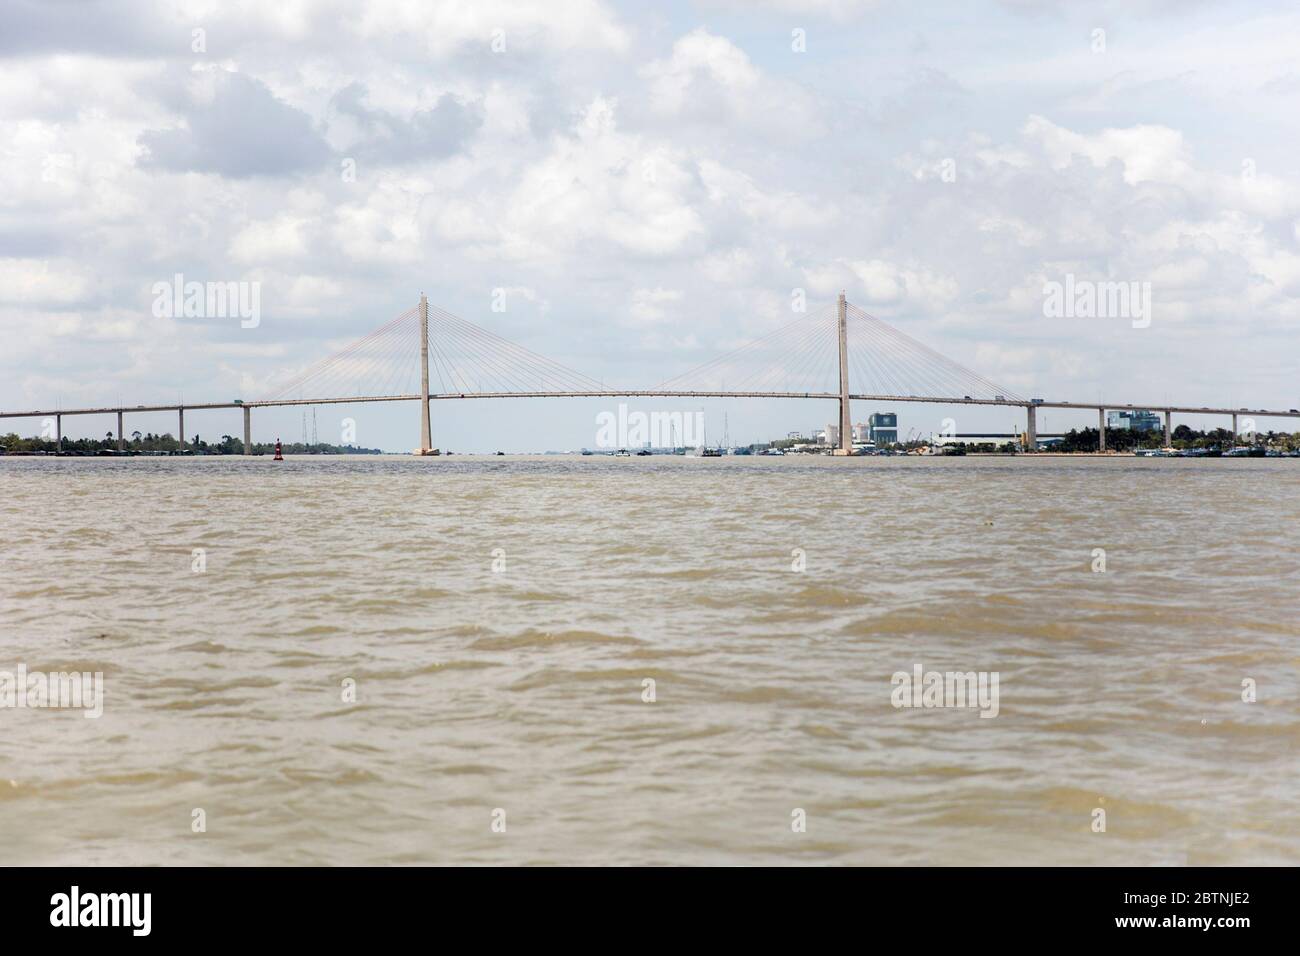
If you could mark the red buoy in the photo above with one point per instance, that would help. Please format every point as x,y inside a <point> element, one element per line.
<point>278,455</point>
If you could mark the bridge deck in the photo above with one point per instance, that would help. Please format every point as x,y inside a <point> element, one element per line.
<point>651,393</point>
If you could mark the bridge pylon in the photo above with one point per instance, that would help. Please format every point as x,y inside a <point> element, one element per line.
<point>426,432</point>
<point>846,416</point>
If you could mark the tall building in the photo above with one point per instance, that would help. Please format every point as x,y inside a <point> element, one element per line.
<point>1139,420</point>
<point>883,428</point>
<point>832,435</point>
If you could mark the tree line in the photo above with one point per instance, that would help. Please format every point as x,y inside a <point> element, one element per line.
<point>147,443</point>
<point>1183,437</point>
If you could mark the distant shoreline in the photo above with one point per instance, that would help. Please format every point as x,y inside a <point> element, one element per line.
<point>602,457</point>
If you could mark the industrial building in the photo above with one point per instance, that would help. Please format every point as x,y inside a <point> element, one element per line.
<point>882,428</point>
<point>1138,420</point>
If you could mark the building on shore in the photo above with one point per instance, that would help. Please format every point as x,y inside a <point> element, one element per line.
<point>1138,420</point>
<point>882,428</point>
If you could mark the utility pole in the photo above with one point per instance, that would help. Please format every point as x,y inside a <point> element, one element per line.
<point>846,418</point>
<point>426,434</point>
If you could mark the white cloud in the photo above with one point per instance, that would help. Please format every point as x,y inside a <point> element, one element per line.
<point>1147,153</point>
<point>444,25</point>
<point>709,80</point>
<point>597,183</point>
<point>271,240</point>
<point>704,59</point>
<point>40,282</point>
<point>839,10</point>
<point>652,305</point>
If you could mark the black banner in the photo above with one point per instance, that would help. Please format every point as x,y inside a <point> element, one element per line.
<point>339,905</point>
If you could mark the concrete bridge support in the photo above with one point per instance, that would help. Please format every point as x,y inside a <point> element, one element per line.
<point>1101,430</point>
<point>1234,429</point>
<point>58,434</point>
<point>181,437</point>
<point>121,445</point>
<point>248,430</point>
<point>846,415</point>
<point>1169,432</point>
<point>426,432</point>
<point>1031,429</point>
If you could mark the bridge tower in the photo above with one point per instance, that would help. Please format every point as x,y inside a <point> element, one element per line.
<point>846,417</point>
<point>426,434</point>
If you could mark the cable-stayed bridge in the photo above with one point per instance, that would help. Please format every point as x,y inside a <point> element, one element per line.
<point>840,353</point>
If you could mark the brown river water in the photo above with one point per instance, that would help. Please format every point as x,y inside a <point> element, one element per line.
<point>493,624</point>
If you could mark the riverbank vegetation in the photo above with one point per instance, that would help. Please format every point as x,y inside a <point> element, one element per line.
<point>147,443</point>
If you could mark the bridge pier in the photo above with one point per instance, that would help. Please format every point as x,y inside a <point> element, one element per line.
<point>1169,432</point>
<point>846,413</point>
<point>181,437</point>
<point>58,434</point>
<point>121,445</point>
<point>1234,429</point>
<point>248,430</point>
<point>1031,429</point>
<point>1101,430</point>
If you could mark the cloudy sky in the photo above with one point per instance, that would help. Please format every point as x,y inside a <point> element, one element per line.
<point>648,184</point>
